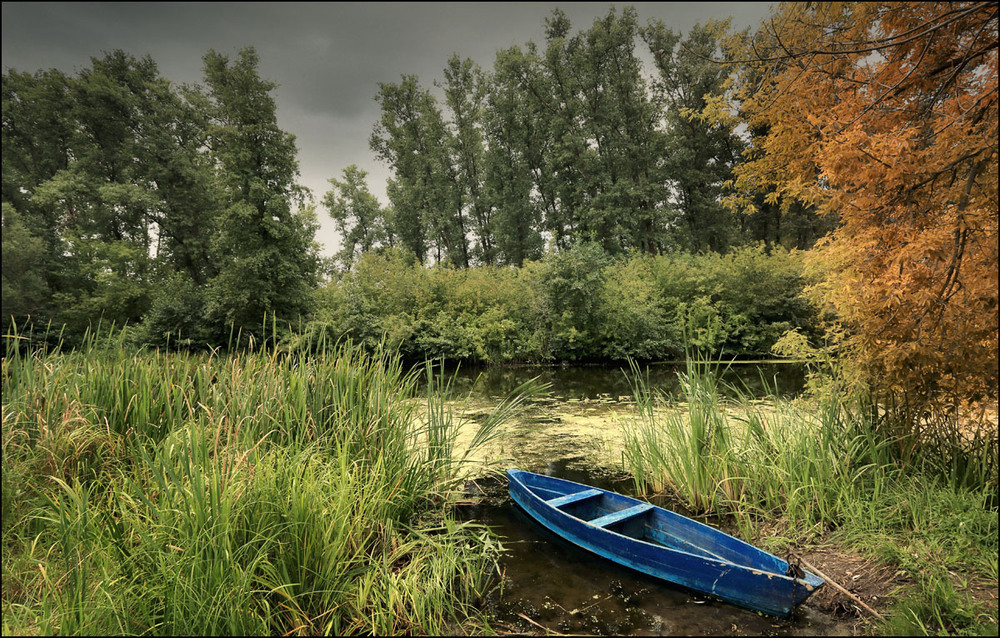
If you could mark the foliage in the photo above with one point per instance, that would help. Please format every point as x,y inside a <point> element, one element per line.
<point>569,139</point>
<point>177,315</point>
<point>265,254</point>
<point>886,115</point>
<point>134,188</point>
<point>465,94</point>
<point>150,492</point>
<point>575,305</point>
<point>792,472</point>
<point>175,210</point>
<point>633,315</point>
<point>699,154</point>
<point>570,281</point>
<point>509,159</point>
<point>412,138</point>
<point>360,219</point>
<point>24,288</point>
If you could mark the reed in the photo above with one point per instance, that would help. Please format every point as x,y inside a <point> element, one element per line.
<point>686,449</point>
<point>259,493</point>
<point>794,471</point>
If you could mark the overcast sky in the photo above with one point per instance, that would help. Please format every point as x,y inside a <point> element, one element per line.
<point>327,58</point>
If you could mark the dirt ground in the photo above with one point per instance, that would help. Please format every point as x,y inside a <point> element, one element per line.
<point>873,583</point>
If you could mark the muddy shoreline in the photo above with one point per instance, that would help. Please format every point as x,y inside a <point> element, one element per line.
<point>575,431</point>
<point>550,586</point>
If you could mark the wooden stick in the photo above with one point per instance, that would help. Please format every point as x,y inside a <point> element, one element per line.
<point>557,604</point>
<point>547,630</point>
<point>813,569</point>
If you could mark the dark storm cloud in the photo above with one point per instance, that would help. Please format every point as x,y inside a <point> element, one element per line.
<point>328,58</point>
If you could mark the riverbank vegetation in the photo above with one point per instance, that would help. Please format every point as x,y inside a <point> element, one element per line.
<point>150,492</point>
<point>176,210</point>
<point>828,468</point>
<point>576,305</point>
<point>824,187</point>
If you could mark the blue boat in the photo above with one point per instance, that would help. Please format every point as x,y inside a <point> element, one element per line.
<point>663,544</point>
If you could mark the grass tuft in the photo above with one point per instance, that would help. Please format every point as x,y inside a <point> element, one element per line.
<point>793,471</point>
<point>259,493</point>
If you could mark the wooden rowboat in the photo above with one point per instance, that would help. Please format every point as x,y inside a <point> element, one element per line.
<point>663,544</point>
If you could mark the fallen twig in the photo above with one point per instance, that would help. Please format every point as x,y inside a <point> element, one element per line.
<point>549,598</point>
<point>580,611</point>
<point>816,571</point>
<point>540,626</point>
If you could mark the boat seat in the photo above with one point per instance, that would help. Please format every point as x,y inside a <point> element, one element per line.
<point>621,515</point>
<point>561,501</point>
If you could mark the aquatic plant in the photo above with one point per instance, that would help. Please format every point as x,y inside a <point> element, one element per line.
<point>257,493</point>
<point>792,471</point>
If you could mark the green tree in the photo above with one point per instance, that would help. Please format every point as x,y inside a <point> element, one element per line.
<point>568,162</point>
<point>577,117</point>
<point>37,127</point>
<point>516,180</point>
<point>360,219</point>
<point>110,170</point>
<point>25,291</point>
<point>536,101</point>
<point>700,154</point>
<point>265,253</point>
<point>465,95</point>
<point>627,202</point>
<point>180,173</point>
<point>104,198</point>
<point>412,138</point>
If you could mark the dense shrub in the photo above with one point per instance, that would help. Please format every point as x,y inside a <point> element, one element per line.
<point>633,314</point>
<point>574,305</point>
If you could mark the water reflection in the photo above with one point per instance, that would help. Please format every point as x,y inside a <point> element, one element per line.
<point>614,383</point>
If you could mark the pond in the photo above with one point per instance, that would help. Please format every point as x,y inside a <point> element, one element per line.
<point>603,382</point>
<point>575,433</point>
<point>578,422</point>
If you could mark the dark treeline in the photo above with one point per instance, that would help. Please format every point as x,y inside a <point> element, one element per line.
<point>574,141</point>
<point>175,210</point>
<point>133,201</point>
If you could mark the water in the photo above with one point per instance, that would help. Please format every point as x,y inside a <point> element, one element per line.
<point>574,433</point>
<point>578,422</point>
<point>600,382</point>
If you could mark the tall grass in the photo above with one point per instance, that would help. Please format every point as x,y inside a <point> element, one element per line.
<point>791,471</point>
<point>687,450</point>
<point>266,492</point>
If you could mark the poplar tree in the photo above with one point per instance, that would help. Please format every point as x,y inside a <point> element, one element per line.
<point>264,250</point>
<point>699,154</point>
<point>512,165</point>
<point>360,219</point>
<point>412,138</point>
<point>465,95</point>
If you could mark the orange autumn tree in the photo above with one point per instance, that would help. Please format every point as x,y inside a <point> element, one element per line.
<point>885,114</point>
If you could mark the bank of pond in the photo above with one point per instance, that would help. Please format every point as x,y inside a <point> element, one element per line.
<point>151,492</point>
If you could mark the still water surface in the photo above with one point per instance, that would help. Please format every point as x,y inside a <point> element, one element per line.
<point>575,433</point>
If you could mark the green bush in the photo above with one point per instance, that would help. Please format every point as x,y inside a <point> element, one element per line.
<point>571,282</point>
<point>633,317</point>
<point>575,305</point>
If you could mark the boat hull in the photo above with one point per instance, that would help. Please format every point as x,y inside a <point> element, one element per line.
<point>661,543</point>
